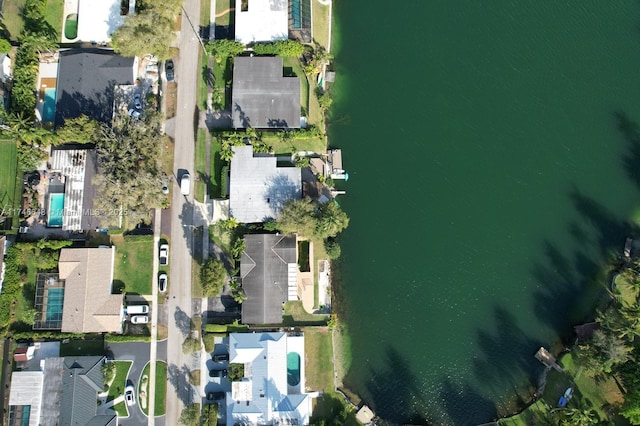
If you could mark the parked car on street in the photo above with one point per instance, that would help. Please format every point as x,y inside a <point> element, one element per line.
<point>130,395</point>
<point>162,282</point>
<point>169,70</point>
<point>164,254</point>
<point>185,184</point>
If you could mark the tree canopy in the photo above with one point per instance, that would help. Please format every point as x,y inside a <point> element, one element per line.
<point>130,178</point>
<point>212,275</point>
<point>310,219</point>
<point>148,32</point>
<point>224,48</point>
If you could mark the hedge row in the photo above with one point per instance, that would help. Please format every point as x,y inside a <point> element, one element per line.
<point>115,338</point>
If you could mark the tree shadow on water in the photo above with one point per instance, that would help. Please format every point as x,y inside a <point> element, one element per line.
<point>457,401</point>
<point>504,362</point>
<point>396,396</point>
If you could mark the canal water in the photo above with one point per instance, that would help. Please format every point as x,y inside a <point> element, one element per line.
<point>492,171</point>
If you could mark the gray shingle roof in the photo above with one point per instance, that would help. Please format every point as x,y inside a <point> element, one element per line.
<point>262,97</point>
<point>86,78</point>
<point>258,187</point>
<point>70,391</point>
<point>264,271</point>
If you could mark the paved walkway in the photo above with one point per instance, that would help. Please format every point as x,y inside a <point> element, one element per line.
<point>154,319</point>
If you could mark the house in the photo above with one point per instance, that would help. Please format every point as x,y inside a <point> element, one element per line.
<point>262,97</point>
<point>70,192</point>
<point>258,187</point>
<point>268,269</point>
<point>79,299</point>
<point>272,391</point>
<point>261,20</point>
<point>86,82</point>
<point>63,392</point>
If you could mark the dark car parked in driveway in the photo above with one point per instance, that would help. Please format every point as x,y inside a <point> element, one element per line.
<point>215,396</point>
<point>218,373</point>
<point>220,357</point>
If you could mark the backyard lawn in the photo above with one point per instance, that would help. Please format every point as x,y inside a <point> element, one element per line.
<point>293,68</point>
<point>80,347</point>
<point>12,16</point>
<point>294,314</point>
<point>134,260</point>
<point>9,183</point>
<point>117,386</point>
<point>318,349</point>
<point>320,24</point>
<point>299,144</point>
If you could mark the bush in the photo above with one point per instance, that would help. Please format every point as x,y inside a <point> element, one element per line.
<point>212,275</point>
<point>332,248</point>
<point>190,345</point>
<point>224,181</point>
<point>115,338</point>
<point>284,48</point>
<point>209,342</point>
<point>215,328</point>
<point>236,372</point>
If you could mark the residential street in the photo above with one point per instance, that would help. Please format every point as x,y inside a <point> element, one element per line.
<point>179,390</point>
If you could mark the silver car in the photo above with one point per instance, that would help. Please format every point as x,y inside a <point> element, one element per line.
<point>130,395</point>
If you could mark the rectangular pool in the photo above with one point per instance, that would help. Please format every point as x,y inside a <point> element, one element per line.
<point>49,107</point>
<point>56,210</point>
<point>55,300</point>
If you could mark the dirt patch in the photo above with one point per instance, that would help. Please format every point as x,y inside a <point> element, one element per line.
<point>172,99</point>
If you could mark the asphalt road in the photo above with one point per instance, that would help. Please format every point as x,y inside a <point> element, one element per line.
<point>138,352</point>
<point>179,391</point>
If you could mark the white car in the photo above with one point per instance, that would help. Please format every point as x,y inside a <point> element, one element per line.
<point>164,254</point>
<point>162,282</point>
<point>139,319</point>
<point>130,395</point>
<point>185,184</point>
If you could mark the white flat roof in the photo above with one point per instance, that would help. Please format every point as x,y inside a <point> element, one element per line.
<point>26,389</point>
<point>98,19</point>
<point>264,20</point>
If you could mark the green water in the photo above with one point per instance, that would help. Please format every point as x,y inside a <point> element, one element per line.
<point>489,179</point>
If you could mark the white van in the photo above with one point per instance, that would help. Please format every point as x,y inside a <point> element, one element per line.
<point>185,184</point>
<point>137,309</point>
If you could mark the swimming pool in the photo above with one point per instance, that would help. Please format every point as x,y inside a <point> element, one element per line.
<point>293,368</point>
<point>49,107</point>
<point>55,300</point>
<point>56,210</point>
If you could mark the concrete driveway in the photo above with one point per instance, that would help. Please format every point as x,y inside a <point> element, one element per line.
<point>138,352</point>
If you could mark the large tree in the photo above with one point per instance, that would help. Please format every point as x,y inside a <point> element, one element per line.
<point>223,48</point>
<point>331,220</point>
<point>148,32</point>
<point>130,177</point>
<point>298,216</point>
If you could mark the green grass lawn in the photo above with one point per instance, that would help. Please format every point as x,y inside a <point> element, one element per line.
<point>161,387</point>
<point>294,314</point>
<point>534,414</point>
<point>12,19</point>
<point>117,386</point>
<point>9,182</point>
<point>203,88</point>
<point>300,144</point>
<point>80,347</point>
<point>201,164</point>
<point>215,169</point>
<point>227,18</point>
<point>318,349</point>
<point>134,262</point>
<point>222,73</point>
<point>627,295</point>
<point>320,24</point>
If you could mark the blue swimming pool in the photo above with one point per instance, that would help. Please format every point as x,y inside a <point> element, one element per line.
<point>56,210</point>
<point>55,300</point>
<point>293,368</point>
<point>49,107</point>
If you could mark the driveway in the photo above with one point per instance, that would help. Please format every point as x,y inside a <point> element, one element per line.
<point>138,352</point>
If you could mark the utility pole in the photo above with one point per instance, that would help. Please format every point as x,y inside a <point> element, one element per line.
<point>197,33</point>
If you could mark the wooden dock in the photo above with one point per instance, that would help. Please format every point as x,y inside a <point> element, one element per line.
<point>547,359</point>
